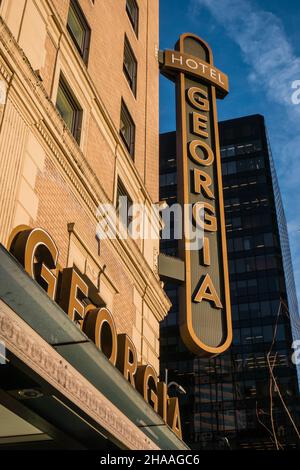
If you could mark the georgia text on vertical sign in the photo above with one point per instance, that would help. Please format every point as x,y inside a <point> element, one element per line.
<point>205,313</point>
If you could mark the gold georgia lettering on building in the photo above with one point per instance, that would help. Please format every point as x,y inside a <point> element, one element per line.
<point>146,383</point>
<point>207,157</point>
<point>202,183</point>
<point>174,416</point>
<point>37,252</point>
<point>203,212</point>
<point>204,216</point>
<point>200,125</point>
<point>162,390</point>
<point>99,326</point>
<point>206,252</point>
<point>127,358</point>
<point>73,290</point>
<point>198,98</point>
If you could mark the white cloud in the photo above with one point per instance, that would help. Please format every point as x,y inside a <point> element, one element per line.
<point>264,44</point>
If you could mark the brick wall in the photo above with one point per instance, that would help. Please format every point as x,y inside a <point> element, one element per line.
<point>48,178</point>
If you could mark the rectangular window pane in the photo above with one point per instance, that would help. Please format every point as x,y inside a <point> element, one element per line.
<point>133,13</point>
<point>127,129</point>
<point>65,108</point>
<point>69,109</point>
<point>130,66</point>
<point>76,27</point>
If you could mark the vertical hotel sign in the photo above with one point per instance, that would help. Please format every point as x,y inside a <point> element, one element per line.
<point>205,312</point>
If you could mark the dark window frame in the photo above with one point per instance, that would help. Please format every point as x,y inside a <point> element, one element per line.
<point>132,81</point>
<point>134,20</point>
<point>78,111</point>
<point>85,50</point>
<point>125,116</point>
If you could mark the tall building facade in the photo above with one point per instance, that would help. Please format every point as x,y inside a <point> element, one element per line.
<point>232,401</point>
<point>78,128</point>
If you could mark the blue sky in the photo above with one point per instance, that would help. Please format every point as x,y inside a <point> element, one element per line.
<point>257,43</point>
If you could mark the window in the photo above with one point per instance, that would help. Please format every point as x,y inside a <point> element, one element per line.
<point>252,286</point>
<point>79,29</point>
<point>250,264</point>
<point>236,336</point>
<point>268,239</point>
<point>205,393</point>
<point>246,337</point>
<point>229,133</point>
<point>133,13</point>
<point>168,179</point>
<point>257,336</point>
<point>124,205</point>
<point>231,266</point>
<point>230,245</point>
<point>130,66</point>
<point>241,288</point>
<point>247,243</point>
<point>254,309</point>
<point>247,130</point>
<point>240,266</point>
<point>280,333</point>
<point>231,168</point>
<point>127,129</point>
<point>245,149</point>
<point>268,333</point>
<point>265,308</point>
<point>238,244</point>
<point>244,311</point>
<point>69,109</point>
<point>235,312</point>
<point>230,152</point>
<point>271,262</point>
<point>260,263</point>
<point>236,222</point>
<point>172,317</point>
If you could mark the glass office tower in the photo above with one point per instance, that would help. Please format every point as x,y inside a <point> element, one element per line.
<point>232,401</point>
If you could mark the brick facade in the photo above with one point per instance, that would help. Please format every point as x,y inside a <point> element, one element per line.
<point>49,181</point>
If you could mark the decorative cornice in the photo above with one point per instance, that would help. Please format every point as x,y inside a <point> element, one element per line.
<point>36,353</point>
